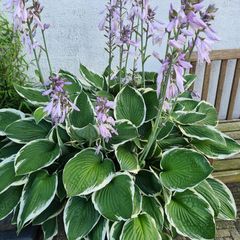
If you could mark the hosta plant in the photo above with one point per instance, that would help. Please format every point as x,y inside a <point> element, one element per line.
<point>125,154</point>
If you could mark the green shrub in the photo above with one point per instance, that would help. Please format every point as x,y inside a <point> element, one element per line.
<point>13,65</point>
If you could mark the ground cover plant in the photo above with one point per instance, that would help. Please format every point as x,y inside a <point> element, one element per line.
<point>124,154</point>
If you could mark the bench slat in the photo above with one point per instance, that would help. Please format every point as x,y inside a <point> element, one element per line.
<point>228,164</point>
<point>206,81</point>
<point>221,81</point>
<point>228,176</point>
<point>236,80</point>
<point>229,126</point>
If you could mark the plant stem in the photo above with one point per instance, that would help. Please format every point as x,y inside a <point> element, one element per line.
<point>35,55</point>
<point>120,48</point>
<point>142,51</point>
<point>135,58</point>
<point>46,51</point>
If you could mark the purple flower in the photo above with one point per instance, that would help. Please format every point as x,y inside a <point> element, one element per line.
<point>59,105</point>
<point>203,49</point>
<point>179,43</point>
<point>104,121</point>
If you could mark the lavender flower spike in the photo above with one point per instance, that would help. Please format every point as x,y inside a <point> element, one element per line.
<point>59,105</point>
<point>105,122</point>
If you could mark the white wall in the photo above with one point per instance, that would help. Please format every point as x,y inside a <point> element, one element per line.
<point>74,36</point>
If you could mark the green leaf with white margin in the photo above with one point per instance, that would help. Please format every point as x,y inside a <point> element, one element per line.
<point>116,200</point>
<point>207,192</point>
<point>189,80</point>
<point>130,105</point>
<point>54,209</point>
<point>216,150</point>
<point>127,159</point>
<point>92,78</point>
<point>8,116</point>
<point>152,103</point>
<point>191,216</point>
<point>210,111</point>
<point>187,104</point>
<point>32,95</point>
<point>7,175</point>
<point>17,131</point>
<point>80,124</point>
<point>137,202</point>
<point>87,172</point>
<point>99,232</point>
<point>126,132</point>
<point>39,114</point>
<point>228,209</point>
<point>152,207</point>
<point>202,133</point>
<point>32,203</point>
<point>148,182</point>
<point>80,217</point>
<point>36,155</point>
<point>140,228</point>
<point>183,168</point>
<point>116,230</point>
<point>9,200</point>
<point>50,229</point>
<point>188,118</point>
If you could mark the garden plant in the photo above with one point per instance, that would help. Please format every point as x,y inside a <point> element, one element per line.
<point>13,66</point>
<point>125,154</point>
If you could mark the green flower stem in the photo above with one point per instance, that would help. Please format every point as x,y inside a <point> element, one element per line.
<point>157,123</point>
<point>135,58</point>
<point>46,51</point>
<point>35,56</point>
<point>121,49</point>
<point>142,54</point>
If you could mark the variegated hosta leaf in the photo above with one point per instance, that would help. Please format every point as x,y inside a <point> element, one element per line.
<point>99,232</point>
<point>183,168</point>
<point>217,150</point>
<point>140,228</point>
<point>191,216</point>
<point>116,230</point>
<point>87,172</point>
<point>228,210</point>
<point>80,123</point>
<point>210,111</point>
<point>165,130</point>
<point>127,159</point>
<point>188,118</point>
<point>126,132</point>
<point>92,78</point>
<point>207,192</point>
<point>203,133</point>
<point>39,114</point>
<point>54,209</point>
<point>7,174</point>
<point>152,103</point>
<point>116,200</point>
<point>137,202</point>
<point>9,200</point>
<point>50,229</point>
<point>187,104</point>
<point>8,116</point>
<point>26,130</point>
<point>36,155</point>
<point>37,195</point>
<point>152,207</point>
<point>10,149</point>
<point>130,105</point>
<point>80,217</point>
<point>148,182</point>
<point>32,95</point>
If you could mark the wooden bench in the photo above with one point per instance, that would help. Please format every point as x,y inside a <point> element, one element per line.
<point>229,169</point>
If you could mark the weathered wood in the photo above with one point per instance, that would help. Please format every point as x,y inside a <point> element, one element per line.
<point>206,82</point>
<point>228,176</point>
<point>220,55</point>
<point>224,165</point>
<point>233,95</point>
<point>229,126</point>
<point>193,69</point>
<point>221,81</point>
<point>234,135</point>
